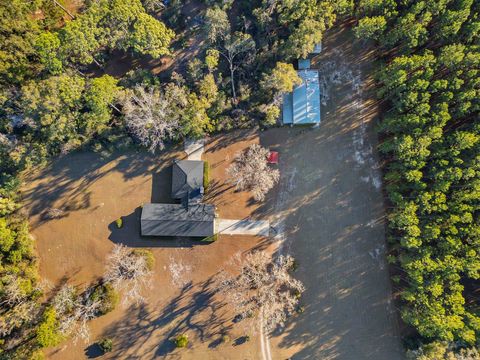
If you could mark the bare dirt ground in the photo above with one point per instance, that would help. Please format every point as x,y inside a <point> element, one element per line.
<point>327,211</point>
<point>329,206</point>
<point>94,190</point>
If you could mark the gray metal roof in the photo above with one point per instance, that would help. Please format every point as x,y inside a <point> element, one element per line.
<point>178,220</point>
<point>187,176</point>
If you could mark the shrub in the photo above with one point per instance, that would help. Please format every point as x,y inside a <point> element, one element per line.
<point>119,222</point>
<point>148,255</point>
<point>225,339</point>
<point>206,175</point>
<point>47,333</point>
<point>181,341</point>
<point>106,345</point>
<point>107,295</point>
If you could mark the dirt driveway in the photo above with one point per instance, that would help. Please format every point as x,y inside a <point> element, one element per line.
<point>329,209</point>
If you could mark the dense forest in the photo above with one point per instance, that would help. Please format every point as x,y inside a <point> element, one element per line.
<point>430,131</point>
<point>56,97</point>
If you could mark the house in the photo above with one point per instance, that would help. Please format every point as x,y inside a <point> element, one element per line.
<point>178,220</point>
<point>187,179</point>
<point>302,106</point>
<point>190,217</point>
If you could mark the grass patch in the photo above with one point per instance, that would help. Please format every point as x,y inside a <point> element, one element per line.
<point>212,238</point>
<point>206,175</point>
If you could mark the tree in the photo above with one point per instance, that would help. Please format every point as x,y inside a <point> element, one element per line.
<point>47,46</point>
<point>211,59</point>
<point>74,311</point>
<point>150,36</point>
<point>128,271</point>
<point>235,49</point>
<point>153,116</point>
<point>250,171</point>
<point>100,95</point>
<point>47,332</point>
<point>370,27</point>
<point>304,38</point>
<point>216,24</point>
<point>264,289</point>
<point>280,81</point>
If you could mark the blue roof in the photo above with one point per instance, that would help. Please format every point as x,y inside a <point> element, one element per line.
<point>303,105</point>
<point>303,64</point>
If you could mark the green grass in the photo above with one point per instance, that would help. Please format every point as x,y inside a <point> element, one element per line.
<point>206,175</point>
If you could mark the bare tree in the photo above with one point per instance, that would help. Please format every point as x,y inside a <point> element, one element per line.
<point>236,48</point>
<point>250,171</point>
<point>128,271</point>
<point>264,289</point>
<point>75,311</point>
<point>54,213</point>
<point>21,307</point>
<point>152,115</point>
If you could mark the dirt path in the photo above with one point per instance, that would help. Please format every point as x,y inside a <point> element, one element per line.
<point>329,207</point>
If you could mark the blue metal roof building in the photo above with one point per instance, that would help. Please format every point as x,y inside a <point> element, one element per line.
<point>302,106</point>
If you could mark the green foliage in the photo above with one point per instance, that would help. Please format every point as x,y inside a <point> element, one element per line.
<point>211,59</point>
<point>17,33</point>
<point>47,333</point>
<point>282,79</point>
<point>150,36</point>
<point>119,223</point>
<point>106,344</point>
<point>47,46</point>
<point>431,143</point>
<point>370,27</point>
<point>107,295</point>
<point>206,175</point>
<point>181,341</point>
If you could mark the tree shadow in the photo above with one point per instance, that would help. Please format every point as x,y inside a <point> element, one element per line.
<point>93,351</point>
<point>148,333</point>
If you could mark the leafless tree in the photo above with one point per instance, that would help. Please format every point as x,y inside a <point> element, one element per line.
<point>129,272</point>
<point>21,308</point>
<point>250,171</point>
<point>75,311</point>
<point>153,116</point>
<point>54,213</point>
<point>264,289</point>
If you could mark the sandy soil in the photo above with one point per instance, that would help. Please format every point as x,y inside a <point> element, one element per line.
<point>330,206</point>
<point>94,191</point>
<point>327,211</point>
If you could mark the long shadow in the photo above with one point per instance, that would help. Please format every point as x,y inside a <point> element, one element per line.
<point>331,215</point>
<point>149,333</point>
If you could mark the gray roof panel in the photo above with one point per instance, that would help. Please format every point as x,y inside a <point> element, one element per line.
<point>187,175</point>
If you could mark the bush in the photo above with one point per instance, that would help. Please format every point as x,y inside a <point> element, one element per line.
<point>148,255</point>
<point>206,175</point>
<point>106,345</point>
<point>47,333</point>
<point>181,341</point>
<point>107,295</point>
<point>119,222</point>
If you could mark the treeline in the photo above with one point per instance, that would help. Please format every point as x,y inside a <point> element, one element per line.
<point>47,107</point>
<point>430,133</point>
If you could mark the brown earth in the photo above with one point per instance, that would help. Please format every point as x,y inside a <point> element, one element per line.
<point>327,211</point>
